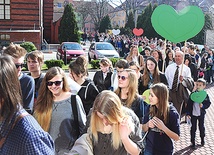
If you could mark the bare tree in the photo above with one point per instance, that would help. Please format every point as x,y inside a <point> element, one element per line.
<point>96,9</point>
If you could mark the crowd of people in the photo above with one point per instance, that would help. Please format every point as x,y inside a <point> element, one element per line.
<point>59,114</point>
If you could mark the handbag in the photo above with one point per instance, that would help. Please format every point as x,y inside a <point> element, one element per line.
<point>82,146</point>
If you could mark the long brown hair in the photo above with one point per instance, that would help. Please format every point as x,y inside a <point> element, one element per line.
<point>44,103</point>
<point>162,109</point>
<point>10,89</point>
<point>146,72</point>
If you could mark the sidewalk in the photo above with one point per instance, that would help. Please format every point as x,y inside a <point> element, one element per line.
<point>182,147</point>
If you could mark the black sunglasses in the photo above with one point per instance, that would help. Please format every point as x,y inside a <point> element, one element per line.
<point>57,83</point>
<point>122,77</point>
<point>19,65</point>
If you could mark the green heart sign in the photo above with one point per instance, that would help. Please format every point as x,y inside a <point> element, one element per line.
<point>177,26</point>
<point>146,95</point>
<point>198,97</point>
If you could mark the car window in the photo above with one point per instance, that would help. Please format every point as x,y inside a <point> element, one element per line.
<point>104,47</point>
<point>73,47</point>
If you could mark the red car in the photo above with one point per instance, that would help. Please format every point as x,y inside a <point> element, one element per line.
<point>73,50</point>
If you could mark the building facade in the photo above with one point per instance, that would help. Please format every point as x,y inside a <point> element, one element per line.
<point>22,20</point>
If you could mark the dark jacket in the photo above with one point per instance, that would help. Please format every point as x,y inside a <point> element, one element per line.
<point>206,103</point>
<point>100,82</point>
<point>88,93</point>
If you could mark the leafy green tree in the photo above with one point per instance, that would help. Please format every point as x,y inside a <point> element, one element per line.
<point>105,24</point>
<point>144,22</point>
<point>130,22</point>
<point>28,46</point>
<point>68,30</point>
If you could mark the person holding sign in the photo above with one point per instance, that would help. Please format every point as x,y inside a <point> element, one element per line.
<point>197,103</point>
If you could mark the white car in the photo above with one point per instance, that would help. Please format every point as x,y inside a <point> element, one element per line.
<point>99,50</point>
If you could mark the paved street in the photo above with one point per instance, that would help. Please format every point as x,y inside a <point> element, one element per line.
<point>182,147</point>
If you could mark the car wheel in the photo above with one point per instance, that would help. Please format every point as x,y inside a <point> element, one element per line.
<point>89,58</point>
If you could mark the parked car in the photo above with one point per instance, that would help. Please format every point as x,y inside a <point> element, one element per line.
<point>73,50</point>
<point>99,50</point>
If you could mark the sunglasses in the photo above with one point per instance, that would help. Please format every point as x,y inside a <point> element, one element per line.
<point>57,83</point>
<point>19,65</point>
<point>122,77</point>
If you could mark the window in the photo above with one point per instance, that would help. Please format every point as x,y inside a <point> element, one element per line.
<point>4,37</point>
<point>4,9</point>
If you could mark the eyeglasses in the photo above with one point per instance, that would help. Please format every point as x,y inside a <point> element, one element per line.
<point>19,65</point>
<point>57,83</point>
<point>122,77</point>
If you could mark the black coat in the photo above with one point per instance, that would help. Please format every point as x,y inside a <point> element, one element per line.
<point>100,82</point>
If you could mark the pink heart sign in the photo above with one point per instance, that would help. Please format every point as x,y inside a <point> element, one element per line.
<point>137,31</point>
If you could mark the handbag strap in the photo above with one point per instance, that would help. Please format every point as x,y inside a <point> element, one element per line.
<point>75,113</point>
<point>18,118</point>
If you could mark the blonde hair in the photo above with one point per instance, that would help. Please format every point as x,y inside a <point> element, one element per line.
<point>106,62</point>
<point>44,102</point>
<point>132,87</point>
<point>108,104</point>
<point>15,50</point>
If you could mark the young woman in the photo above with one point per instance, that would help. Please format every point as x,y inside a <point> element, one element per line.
<point>151,75</point>
<point>53,110</point>
<point>102,78</point>
<point>115,129</point>
<point>20,133</point>
<point>158,57</point>
<point>162,122</point>
<point>135,56</point>
<point>128,94</point>
<point>88,91</point>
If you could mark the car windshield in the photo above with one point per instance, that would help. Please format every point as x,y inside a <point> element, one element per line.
<point>104,47</point>
<point>73,47</point>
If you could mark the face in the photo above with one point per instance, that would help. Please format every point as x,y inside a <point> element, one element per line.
<point>134,68</point>
<point>147,52</point>
<point>178,58</point>
<point>56,86</point>
<point>33,65</point>
<point>104,69</point>
<point>135,51</point>
<point>119,70</point>
<point>19,62</point>
<point>155,55</point>
<point>104,119</point>
<point>152,98</point>
<point>186,62</point>
<point>200,86</point>
<point>150,65</point>
<point>123,80</point>
<point>170,55</point>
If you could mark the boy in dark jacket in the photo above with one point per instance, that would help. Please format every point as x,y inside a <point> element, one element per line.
<point>196,111</point>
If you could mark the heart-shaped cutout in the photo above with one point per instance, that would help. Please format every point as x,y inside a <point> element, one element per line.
<point>177,26</point>
<point>116,32</point>
<point>137,32</point>
<point>198,97</point>
<point>146,96</point>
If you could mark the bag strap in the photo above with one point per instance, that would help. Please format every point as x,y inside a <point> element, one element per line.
<point>75,113</point>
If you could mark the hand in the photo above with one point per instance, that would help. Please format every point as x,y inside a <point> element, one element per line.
<point>124,128</point>
<point>188,116</point>
<point>144,98</point>
<point>181,78</point>
<point>150,124</point>
<point>200,105</point>
<point>158,123</point>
